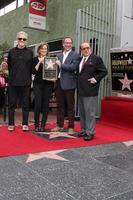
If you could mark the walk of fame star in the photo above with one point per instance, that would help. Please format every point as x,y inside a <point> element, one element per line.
<point>126,82</point>
<point>130,61</point>
<point>128,143</point>
<point>47,154</point>
<point>53,135</point>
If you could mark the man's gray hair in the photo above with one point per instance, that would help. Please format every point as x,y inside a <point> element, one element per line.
<point>23,33</point>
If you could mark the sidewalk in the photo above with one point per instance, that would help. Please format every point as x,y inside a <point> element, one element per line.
<point>102,172</point>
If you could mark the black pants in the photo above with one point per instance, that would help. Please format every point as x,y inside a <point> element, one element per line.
<point>23,94</point>
<point>63,96</point>
<point>42,93</point>
<point>1,98</point>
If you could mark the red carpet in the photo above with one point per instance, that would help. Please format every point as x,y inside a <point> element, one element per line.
<point>115,126</point>
<point>19,142</point>
<point>118,111</point>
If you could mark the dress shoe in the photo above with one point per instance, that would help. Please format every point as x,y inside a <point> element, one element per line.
<point>42,129</point>
<point>36,129</point>
<point>88,137</point>
<point>81,134</point>
<point>11,128</point>
<point>57,128</point>
<point>25,128</point>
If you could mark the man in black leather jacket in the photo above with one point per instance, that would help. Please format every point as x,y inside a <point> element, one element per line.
<point>20,70</point>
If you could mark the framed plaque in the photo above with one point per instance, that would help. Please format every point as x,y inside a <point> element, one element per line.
<point>50,69</point>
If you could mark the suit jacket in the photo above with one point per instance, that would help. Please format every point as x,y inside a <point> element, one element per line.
<point>94,67</point>
<point>69,69</point>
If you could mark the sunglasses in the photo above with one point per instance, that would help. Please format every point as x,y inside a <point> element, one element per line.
<point>85,48</point>
<point>24,39</point>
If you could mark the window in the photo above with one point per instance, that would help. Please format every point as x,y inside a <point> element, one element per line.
<point>10,7</point>
<point>1,11</point>
<point>20,3</point>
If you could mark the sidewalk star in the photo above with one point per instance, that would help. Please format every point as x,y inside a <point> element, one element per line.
<point>47,154</point>
<point>126,82</point>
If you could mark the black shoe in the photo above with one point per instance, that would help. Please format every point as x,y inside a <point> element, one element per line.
<point>88,137</point>
<point>41,129</point>
<point>81,134</point>
<point>36,129</point>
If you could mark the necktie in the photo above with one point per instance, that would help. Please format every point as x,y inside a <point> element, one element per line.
<point>84,61</point>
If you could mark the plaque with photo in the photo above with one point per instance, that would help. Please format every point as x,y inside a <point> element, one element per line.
<point>50,69</point>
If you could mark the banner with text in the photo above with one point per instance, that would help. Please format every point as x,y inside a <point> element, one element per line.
<point>37,14</point>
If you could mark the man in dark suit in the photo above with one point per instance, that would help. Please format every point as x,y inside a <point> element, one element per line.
<point>91,72</point>
<point>66,84</point>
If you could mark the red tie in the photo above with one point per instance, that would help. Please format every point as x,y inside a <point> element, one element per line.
<point>84,61</point>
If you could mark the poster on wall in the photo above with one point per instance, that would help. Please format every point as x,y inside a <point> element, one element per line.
<point>37,14</point>
<point>122,71</point>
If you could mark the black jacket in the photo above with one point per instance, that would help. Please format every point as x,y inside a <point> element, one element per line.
<point>94,67</point>
<point>20,66</point>
<point>38,73</point>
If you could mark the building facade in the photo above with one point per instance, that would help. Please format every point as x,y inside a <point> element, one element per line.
<point>87,20</point>
<point>124,24</point>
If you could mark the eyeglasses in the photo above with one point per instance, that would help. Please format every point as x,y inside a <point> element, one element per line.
<point>68,42</point>
<point>24,39</point>
<point>85,48</point>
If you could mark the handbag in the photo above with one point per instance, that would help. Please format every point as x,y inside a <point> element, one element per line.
<point>2,81</point>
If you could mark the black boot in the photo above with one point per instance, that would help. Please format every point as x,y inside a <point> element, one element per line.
<point>43,123</point>
<point>36,129</point>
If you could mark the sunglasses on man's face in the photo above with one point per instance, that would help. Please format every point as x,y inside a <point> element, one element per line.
<point>24,39</point>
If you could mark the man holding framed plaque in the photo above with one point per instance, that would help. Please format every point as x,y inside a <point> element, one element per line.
<point>65,85</point>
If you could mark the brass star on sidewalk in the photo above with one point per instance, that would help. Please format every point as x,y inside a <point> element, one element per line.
<point>60,134</point>
<point>128,143</point>
<point>57,134</point>
<point>126,82</point>
<point>47,154</point>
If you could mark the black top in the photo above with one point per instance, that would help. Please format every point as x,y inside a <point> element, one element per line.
<point>38,73</point>
<point>20,66</point>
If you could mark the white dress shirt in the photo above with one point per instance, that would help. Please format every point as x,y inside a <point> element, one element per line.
<point>81,63</point>
<point>65,54</point>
